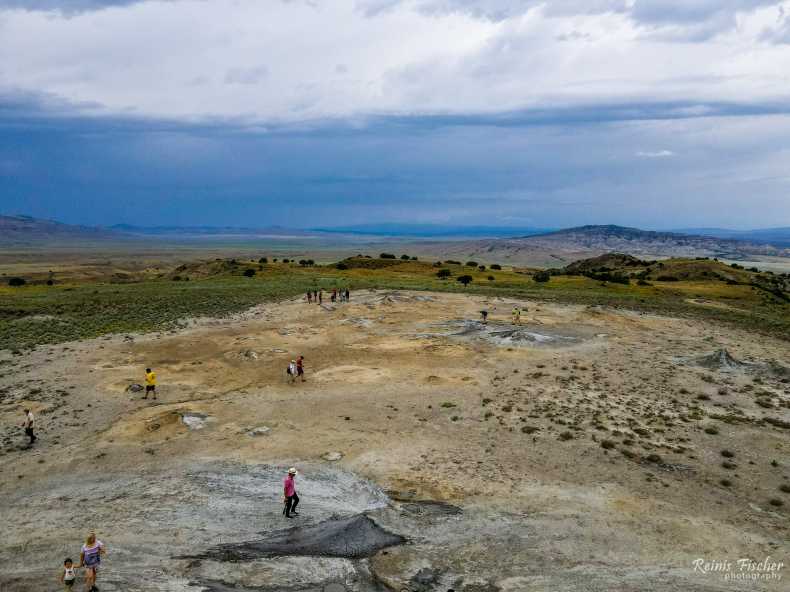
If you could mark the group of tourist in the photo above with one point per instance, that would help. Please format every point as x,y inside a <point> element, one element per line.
<point>337,295</point>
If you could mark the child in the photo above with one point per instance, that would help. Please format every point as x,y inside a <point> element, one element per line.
<point>292,371</point>
<point>69,575</point>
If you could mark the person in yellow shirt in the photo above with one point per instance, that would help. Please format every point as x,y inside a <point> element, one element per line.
<point>150,383</point>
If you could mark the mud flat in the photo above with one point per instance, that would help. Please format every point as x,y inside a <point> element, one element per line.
<point>587,449</point>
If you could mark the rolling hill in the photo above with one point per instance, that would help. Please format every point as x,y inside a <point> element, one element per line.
<point>557,249</point>
<point>25,230</point>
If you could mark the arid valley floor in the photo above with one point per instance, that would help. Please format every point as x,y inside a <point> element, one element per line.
<point>588,449</point>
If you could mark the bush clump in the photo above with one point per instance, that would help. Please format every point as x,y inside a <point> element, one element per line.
<point>387,256</point>
<point>443,274</point>
<point>542,276</point>
<point>16,282</point>
<point>465,279</point>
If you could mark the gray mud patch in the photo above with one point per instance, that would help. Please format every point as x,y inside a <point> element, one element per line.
<point>194,421</point>
<point>506,335</point>
<point>151,518</point>
<point>350,538</point>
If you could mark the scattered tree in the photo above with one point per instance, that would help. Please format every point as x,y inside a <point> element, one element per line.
<point>263,260</point>
<point>249,272</point>
<point>542,276</point>
<point>496,266</point>
<point>387,256</point>
<point>405,257</point>
<point>16,282</point>
<point>491,278</point>
<point>443,274</point>
<point>471,263</point>
<point>465,279</point>
<point>481,267</point>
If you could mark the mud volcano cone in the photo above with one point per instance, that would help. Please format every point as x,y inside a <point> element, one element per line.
<point>719,360</point>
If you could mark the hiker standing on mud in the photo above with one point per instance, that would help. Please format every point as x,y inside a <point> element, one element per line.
<point>150,383</point>
<point>29,424</point>
<point>90,559</point>
<point>290,499</point>
<point>300,367</point>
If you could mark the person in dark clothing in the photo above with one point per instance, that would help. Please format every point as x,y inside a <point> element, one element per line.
<point>309,297</point>
<point>290,499</point>
<point>348,295</point>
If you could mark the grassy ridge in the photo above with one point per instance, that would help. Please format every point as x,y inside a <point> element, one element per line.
<point>39,314</point>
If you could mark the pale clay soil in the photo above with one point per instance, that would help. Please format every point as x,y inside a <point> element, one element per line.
<point>523,511</point>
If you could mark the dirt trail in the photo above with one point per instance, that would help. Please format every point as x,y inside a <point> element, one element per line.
<point>577,451</point>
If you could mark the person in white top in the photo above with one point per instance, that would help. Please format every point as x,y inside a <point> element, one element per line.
<point>29,424</point>
<point>69,574</point>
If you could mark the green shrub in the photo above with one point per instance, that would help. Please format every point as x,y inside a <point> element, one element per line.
<point>465,279</point>
<point>249,273</point>
<point>387,256</point>
<point>443,274</point>
<point>542,276</point>
<point>17,281</point>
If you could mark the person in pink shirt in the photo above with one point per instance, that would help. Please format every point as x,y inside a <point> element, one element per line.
<point>290,499</point>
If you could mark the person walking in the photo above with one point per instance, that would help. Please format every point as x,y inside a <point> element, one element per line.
<point>320,296</point>
<point>150,383</point>
<point>90,559</point>
<point>68,575</point>
<point>484,316</point>
<point>290,499</point>
<point>29,424</point>
<point>348,295</point>
<point>292,371</point>
<point>300,367</point>
<point>334,295</point>
<point>516,315</point>
<point>309,297</point>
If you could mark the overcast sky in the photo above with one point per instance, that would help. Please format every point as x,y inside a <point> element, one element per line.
<point>650,113</point>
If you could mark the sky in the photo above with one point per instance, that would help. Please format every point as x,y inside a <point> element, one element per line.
<point>651,113</point>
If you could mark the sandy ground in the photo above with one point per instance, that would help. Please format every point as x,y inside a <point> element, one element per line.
<point>497,456</point>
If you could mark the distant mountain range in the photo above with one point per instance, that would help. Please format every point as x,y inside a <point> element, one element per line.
<point>24,230</point>
<point>553,248</point>
<point>774,236</point>
<point>434,230</point>
<point>194,231</point>
<point>561,247</point>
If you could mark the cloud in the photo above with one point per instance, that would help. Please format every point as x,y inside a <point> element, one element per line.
<point>64,6</point>
<point>252,75</point>
<point>297,61</point>
<point>655,154</point>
